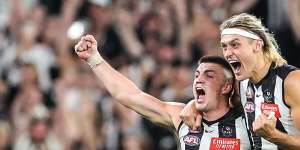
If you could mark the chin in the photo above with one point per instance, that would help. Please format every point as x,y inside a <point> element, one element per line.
<point>241,77</point>
<point>201,108</point>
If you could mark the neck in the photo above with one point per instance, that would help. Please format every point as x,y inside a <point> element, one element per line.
<point>217,112</point>
<point>261,71</point>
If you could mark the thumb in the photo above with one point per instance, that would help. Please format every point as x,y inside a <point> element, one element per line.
<point>197,124</point>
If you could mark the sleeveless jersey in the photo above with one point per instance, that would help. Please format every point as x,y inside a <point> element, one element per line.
<point>268,94</point>
<point>227,133</point>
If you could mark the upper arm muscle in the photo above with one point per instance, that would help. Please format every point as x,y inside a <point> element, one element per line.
<point>157,111</point>
<point>292,95</point>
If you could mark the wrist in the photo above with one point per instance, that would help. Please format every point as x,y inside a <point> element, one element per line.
<point>95,60</point>
<point>274,136</point>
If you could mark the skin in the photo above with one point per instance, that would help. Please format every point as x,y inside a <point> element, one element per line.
<point>255,66</point>
<point>211,78</point>
<point>164,113</point>
<point>249,53</point>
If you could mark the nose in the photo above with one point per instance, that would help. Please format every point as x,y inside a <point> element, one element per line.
<point>200,79</point>
<point>227,53</point>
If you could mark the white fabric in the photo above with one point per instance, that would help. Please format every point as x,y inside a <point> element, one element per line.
<point>240,32</point>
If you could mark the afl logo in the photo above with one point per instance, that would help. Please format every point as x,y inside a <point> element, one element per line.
<point>191,140</point>
<point>249,107</point>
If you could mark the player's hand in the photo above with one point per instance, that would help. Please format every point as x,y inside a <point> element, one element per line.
<point>191,116</point>
<point>265,124</point>
<point>86,47</point>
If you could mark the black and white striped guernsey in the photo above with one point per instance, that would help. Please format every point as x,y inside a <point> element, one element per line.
<point>268,94</point>
<point>228,132</point>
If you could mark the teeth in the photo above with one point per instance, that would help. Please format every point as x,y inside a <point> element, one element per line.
<point>199,88</point>
<point>233,61</point>
<point>200,91</point>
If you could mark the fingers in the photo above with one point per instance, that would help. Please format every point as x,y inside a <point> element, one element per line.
<point>271,115</point>
<point>197,123</point>
<point>78,47</point>
<point>90,39</point>
<point>264,122</point>
<point>85,43</point>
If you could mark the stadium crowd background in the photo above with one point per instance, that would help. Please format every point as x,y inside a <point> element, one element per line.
<point>48,96</point>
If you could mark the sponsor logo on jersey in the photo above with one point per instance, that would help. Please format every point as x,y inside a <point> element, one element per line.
<point>271,107</point>
<point>249,107</point>
<point>224,144</point>
<point>191,140</point>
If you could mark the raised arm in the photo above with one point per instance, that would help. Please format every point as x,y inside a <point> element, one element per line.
<point>124,90</point>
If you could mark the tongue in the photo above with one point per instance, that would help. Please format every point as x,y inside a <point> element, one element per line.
<point>237,69</point>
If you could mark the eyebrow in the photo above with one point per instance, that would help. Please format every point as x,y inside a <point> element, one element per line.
<point>206,71</point>
<point>209,70</point>
<point>236,39</point>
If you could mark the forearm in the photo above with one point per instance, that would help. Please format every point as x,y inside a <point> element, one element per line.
<point>285,141</point>
<point>115,82</point>
<point>122,89</point>
<point>127,93</point>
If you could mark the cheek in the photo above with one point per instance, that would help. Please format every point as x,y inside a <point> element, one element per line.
<point>215,87</point>
<point>249,62</point>
<point>194,91</point>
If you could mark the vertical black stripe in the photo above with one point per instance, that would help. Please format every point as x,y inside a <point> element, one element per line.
<point>268,88</point>
<point>280,127</point>
<point>283,72</point>
<point>227,128</point>
<point>199,135</point>
<point>179,126</point>
<point>257,142</point>
<point>249,133</point>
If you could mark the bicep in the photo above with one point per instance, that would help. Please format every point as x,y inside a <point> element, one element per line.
<point>157,111</point>
<point>292,95</point>
<point>295,112</point>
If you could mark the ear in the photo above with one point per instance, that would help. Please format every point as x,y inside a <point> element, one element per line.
<point>226,88</point>
<point>257,46</point>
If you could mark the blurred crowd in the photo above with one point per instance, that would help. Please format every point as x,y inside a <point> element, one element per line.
<point>50,100</point>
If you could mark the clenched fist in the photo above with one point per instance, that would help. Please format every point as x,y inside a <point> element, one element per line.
<point>265,124</point>
<point>86,49</point>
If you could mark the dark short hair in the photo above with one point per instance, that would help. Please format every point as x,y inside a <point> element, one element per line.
<point>223,63</point>
<point>217,60</point>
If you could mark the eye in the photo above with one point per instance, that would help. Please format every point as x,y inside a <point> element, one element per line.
<point>224,46</point>
<point>235,45</point>
<point>210,75</point>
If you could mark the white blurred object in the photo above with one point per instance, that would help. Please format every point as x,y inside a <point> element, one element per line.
<point>271,115</point>
<point>77,29</point>
<point>40,112</point>
<point>101,2</point>
<point>5,10</point>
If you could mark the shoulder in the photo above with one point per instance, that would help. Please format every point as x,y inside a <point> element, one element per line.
<point>292,86</point>
<point>174,109</point>
<point>284,70</point>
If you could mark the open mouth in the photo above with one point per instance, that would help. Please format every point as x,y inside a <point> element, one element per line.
<point>236,65</point>
<point>200,92</point>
